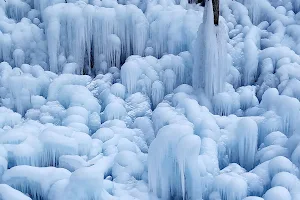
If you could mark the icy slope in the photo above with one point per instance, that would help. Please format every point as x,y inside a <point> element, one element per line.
<point>133,99</point>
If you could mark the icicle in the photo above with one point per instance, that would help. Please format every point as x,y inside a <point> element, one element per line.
<point>271,123</point>
<point>140,31</point>
<point>247,142</point>
<point>88,13</point>
<point>114,111</point>
<point>179,70</point>
<point>251,63</point>
<point>169,80</point>
<point>130,74</point>
<point>230,186</point>
<point>5,47</point>
<point>104,23</point>
<point>222,37</point>
<point>31,180</point>
<point>114,50</point>
<point>254,10</point>
<point>53,34</point>
<point>42,4</point>
<point>8,193</point>
<point>288,109</point>
<point>210,54</point>
<point>181,180</point>
<point>189,172</point>
<point>19,57</point>
<point>17,9</point>
<point>56,145</point>
<point>296,5</point>
<point>158,93</point>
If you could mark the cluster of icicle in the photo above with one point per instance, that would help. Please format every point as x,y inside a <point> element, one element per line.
<point>96,35</point>
<point>108,35</point>
<point>179,176</point>
<point>156,77</point>
<point>260,144</point>
<point>210,54</point>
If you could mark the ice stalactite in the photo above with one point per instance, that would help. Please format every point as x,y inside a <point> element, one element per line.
<point>31,180</point>
<point>74,36</point>
<point>285,107</point>
<point>130,74</point>
<point>146,126</point>
<point>92,36</point>
<point>5,47</point>
<point>296,6</point>
<point>88,13</point>
<point>223,61</point>
<point>114,110</point>
<point>22,36</point>
<point>230,186</point>
<point>22,102</point>
<point>8,193</point>
<point>251,62</point>
<point>103,22</point>
<point>17,9</point>
<point>21,86</point>
<point>288,109</point>
<point>114,51</point>
<point>188,166</point>
<point>63,145</point>
<point>167,36</point>
<point>53,34</point>
<point>158,93</point>
<point>210,66</point>
<point>262,10</point>
<point>271,123</point>
<point>19,57</point>
<point>226,103</point>
<point>247,97</point>
<point>42,4</point>
<point>169,80</point>
<point>254,10</point>
<point>173,164</point>
<point>247,132</point>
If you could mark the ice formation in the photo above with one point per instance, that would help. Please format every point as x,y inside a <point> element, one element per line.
<point>149,100</point>
<point>210,67</point>
<point>7,192</point>
<point>181,183</point>
<point>247,142</point>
